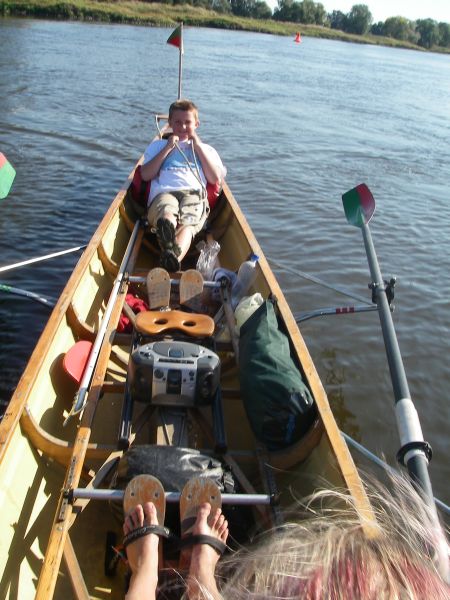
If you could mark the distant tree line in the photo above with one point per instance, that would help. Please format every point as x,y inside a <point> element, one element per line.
<point>424,32</point>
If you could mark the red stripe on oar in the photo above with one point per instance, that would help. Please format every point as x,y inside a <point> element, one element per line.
<point>2,160</point>
<point>365,196</point>
<point>75,360</point>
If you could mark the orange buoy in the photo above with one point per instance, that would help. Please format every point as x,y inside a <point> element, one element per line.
<point>298,38</point>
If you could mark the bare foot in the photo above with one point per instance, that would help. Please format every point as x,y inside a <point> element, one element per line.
<point>204,558</point>
<point>142,554</point>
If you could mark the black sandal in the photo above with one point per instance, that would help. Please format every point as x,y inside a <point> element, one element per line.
<point>193,540</point>
<point>145,530</point>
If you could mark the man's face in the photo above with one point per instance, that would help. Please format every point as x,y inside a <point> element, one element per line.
<point>183,123</point>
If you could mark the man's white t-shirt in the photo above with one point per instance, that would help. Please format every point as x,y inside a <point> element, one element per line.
<point>175,173</point>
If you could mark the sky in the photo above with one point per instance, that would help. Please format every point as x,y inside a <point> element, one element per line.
<point>439,10</point>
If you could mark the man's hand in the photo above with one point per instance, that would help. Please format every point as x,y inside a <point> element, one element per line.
<point>151,169</point>
<point>212,173</point>
<point>195,138</point>
<point>172,140</point>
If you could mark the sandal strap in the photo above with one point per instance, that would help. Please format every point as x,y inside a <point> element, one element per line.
<point>146,530</point>
<point>193,540</point>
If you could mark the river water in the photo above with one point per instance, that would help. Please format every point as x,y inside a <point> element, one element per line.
<point>297,126</point>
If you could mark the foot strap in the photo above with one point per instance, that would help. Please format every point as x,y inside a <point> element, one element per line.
<point>146,530</point>
<point>193,540</point>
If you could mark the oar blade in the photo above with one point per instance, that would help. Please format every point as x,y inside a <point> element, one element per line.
<point>76,358</point>
<point>7,174</point>
<point>359,205</point>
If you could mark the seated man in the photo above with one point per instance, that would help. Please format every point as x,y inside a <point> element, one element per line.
<point>180,168</point>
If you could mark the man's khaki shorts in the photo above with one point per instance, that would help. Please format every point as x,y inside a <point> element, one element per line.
<point>188,206</point>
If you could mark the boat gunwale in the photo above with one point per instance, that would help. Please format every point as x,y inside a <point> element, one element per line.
<point>62,521</point>
<point>20,396</point>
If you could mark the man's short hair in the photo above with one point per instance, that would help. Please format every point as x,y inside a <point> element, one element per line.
<point>183,105</point>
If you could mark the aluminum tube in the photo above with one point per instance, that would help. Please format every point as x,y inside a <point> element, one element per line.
<point>171,497</point>
<point>175,282</point>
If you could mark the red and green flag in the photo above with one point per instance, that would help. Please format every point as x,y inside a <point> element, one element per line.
<point>7,174</point>
<point>176,38</point>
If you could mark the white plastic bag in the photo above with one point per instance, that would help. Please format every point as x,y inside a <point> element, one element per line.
<point>206,262</point>
<point>246,307</point>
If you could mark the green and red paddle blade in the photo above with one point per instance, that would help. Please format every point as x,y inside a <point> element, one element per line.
<point>7,174</point>
<point>359,205</point>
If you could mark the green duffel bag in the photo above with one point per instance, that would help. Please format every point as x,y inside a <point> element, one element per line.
<point>278,404</point>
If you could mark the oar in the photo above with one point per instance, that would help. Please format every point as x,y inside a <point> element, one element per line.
<point>30,261</point>
<point>359,206</point>
<point>7,174</point>
<point>332,310</point>
<point>9,289</point>
<point>415,453</point>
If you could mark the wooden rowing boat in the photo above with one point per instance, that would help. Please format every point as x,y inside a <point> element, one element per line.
<point>53,542</point>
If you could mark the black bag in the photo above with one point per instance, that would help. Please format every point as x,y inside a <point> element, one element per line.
<point>172,465</point>
<point>278,404</point>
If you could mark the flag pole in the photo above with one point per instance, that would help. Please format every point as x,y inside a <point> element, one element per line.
<point>180,63</point>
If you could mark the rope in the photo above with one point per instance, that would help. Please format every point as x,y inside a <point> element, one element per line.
<point>196,173</point>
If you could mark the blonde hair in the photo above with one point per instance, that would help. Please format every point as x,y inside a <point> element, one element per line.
<point>183,105</point>
<point>328,556</point>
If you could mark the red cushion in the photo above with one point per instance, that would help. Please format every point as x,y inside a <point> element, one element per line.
<point>213,190</point>
<point>140,189</point>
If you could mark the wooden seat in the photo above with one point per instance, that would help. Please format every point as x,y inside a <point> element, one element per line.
<point>154,322</point>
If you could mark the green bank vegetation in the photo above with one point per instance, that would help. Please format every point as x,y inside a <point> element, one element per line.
<point>227,14</point>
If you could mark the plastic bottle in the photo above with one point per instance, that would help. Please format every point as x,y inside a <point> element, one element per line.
<point>245,277</point>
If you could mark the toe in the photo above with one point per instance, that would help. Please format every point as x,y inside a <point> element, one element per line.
<point>217,522</point>
<point>127,525</point>
<point>223,531</point>
<point>215,518</point>
<point>150,514</point>
<point>137,516</point>
<point>134,519</point>
<point>204,512</point>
